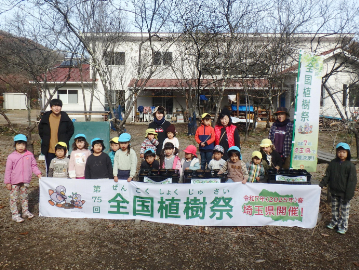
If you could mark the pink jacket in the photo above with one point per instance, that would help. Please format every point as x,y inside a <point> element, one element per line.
<point>19,168</point>
<point>176,164</point>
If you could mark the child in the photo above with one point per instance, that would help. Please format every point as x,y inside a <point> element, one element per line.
<point>150,163</point>
<point>169,158</point>
<point>342,179</point>
<point>20,165</point>
<point>150,142</point>
<point>217,162</point>
<point>190,162</point>
<point>171,137</point>
<point>125,162</point>
<point>78,157</point>
<point>255,168</point>
<point>205,138</point>
<point>59,165</point>
<point>115,145</point>
<point>271,158</point>
<point>98,165</point>
<point>237,171</point>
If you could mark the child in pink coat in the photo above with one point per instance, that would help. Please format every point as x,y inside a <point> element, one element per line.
<point>20,165</point>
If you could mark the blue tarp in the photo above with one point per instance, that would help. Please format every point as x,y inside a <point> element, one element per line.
<point>242,108</point>
<point>202,97</point>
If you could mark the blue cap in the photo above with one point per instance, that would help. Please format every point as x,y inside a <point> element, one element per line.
<point>343,145</point>
<point>20,137</point>
<point>124,137</point>
<point>234,148</point>
<point>150,150</point>
<point>80,136</point>
<point>95,139</point>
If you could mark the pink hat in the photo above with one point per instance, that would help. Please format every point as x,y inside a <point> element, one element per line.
<point>191,149</point>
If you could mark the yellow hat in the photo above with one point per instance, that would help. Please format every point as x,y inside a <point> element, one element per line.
<point>62,144</point>
<point>257,154</point>
<point>114,139</point>
<point>266,143</point>
<point>204,115</point>
<point>151,131</point>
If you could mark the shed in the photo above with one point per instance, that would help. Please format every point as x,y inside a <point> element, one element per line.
<point>14,101</point>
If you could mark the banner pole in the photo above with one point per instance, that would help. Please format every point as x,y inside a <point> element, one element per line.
<point>295,110</point>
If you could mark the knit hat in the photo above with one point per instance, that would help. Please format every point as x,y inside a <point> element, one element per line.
<point>257,154</point>
<point>219,148</point>
<point>266,143</point>
<point>151,131</point>
<point>191,149</point>
<point>172,129</point>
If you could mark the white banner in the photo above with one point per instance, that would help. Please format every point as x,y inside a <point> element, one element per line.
<point>232,204</point>
<point>306,122</point>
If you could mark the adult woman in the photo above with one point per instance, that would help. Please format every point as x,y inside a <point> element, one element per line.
<point>226,134</point>
<point>160,125</point>
<point>281,134</point>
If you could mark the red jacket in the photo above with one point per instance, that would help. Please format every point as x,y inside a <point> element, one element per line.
<point>229,132</point>
<point>204,133</point>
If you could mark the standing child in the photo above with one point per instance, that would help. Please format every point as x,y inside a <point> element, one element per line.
<point>98,165</point>
<point>125,162</point>
<point>78,157</point>
<point>20,165</point>
<point>171,136</point>
<point>60,164</point>
<point>150,142</point>
<point>150,163</point>
<point>255,168</point>
<point>271,158</point>
<point>169,158</point>
<point>237,171</point>
<point>342,179</point>
<point>115,145</point>
<point>205,138</point>
<point>217,162</point>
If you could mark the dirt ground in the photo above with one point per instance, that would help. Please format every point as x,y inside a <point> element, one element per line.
<point>62,243</point>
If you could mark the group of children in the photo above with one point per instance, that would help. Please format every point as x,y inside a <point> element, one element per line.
<point>121,163</point>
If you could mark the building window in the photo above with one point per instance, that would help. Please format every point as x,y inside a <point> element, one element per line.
<point>116,95</point>
<point>68,96</point>
<point>115,59</point>
<point>354,95</point>
<point>162,58</point>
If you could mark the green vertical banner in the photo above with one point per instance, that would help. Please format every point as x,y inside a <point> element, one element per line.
<point>306,119</point>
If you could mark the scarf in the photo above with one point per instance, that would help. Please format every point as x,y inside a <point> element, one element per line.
<point>159,122</point>
<point>281,124</point>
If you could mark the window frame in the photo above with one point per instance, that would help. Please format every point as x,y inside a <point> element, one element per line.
<point>60,96</point>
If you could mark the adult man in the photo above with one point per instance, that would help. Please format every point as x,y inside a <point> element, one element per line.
<point>55,126</point>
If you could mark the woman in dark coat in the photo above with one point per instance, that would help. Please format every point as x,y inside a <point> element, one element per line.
<point>226,134</point>
<point>160,125</point>
<point>281,134</point>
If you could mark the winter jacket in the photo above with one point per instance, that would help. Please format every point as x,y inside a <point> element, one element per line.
<point>229,139</point>
<point>287,146</point>
<point>125,162</point>
<point>19,168</point>
<point>148,144</point>
<point>205,134</point>
<point>77,163</point>
<point>236,171</point>
<point>194,165</point>
<point>341,178</point>
<point>66,130</point>
<point>276,159</point>
<point>162,135</point>
<point>176,164</point>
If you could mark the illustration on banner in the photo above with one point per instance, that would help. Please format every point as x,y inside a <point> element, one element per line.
<point>58,198</point>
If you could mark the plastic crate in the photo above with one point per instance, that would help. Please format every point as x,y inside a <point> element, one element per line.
<point>159,175</point>
<point>272,174</point>
<point>198,174</point>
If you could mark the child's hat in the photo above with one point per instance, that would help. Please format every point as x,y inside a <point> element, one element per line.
<point>124,137</point>
<point>257,154</point>
<point>62,144</point>
<point>191,149</point>
<point>205,114</point>
<point>218,148</point>
<point>171,128</point>
<point>20,137</point>
<point>149,150</point>
<point>151,131</point>
<point>114,140</point>
<point>96,139</point>
<point>266,143</point>
<point>234,148</point>
<point>343,145</point>
<point>80,136</point>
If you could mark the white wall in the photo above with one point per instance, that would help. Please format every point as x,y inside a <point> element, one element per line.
<point>14,101</point>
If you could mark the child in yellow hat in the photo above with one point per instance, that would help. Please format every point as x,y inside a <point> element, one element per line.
<point>271,158</point>
<point>150,142</point>
<point>255,168</point>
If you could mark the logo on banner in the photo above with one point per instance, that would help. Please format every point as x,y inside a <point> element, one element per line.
<point>58,198</point>
<point>273,205</point>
